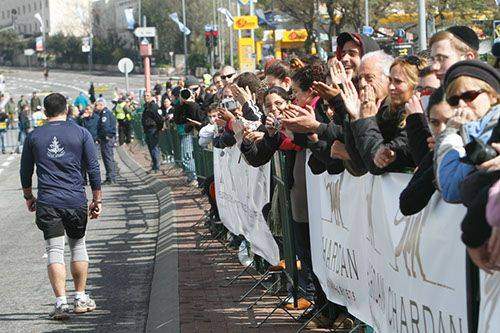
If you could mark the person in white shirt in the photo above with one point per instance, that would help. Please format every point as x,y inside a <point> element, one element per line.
<point>207,132</point>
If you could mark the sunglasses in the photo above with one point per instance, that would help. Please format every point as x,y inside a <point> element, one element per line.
<point>467,97</point>
<point>228,76</point>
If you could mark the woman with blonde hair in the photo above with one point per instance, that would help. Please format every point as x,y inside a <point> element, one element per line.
<point>472,90</point>
<point>379,127</point>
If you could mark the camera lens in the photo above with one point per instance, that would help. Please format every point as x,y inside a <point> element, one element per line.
<point>185,93</point>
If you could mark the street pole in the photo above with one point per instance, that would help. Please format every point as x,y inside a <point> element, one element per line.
<point>91,42</point>
<point>231,38</point>
<point>422,32</point>
<point>252,33</point>
<point>238,11</point>
<point>212,48</point>
<point>44,39</point>
<point>186,70</point>
<point>140,13</point>
<point>147,73</point>
<point>126,78</point>
<point>367,14</point>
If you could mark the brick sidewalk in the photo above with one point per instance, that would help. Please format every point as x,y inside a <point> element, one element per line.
<point>205,305</point>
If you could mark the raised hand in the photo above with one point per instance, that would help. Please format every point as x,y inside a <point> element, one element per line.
<point>241,95</point>
<point>300,120</point>
<point>325,91</point>
<point>414,105</point>
<point>369,107</point>
<point>337,72</point>
<point>351,100</point>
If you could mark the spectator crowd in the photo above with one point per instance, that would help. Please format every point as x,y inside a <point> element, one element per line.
<point>434,115</point>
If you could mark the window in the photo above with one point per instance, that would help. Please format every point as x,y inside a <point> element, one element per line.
<point>34,5</point>
<point>3,14</point>
<point>24,9</point>
<point>29,8</point>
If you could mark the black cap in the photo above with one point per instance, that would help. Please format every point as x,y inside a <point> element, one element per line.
<point>476,69</point>
<point>367,43</point>
<point>466,35</point>
<point>176,91</point>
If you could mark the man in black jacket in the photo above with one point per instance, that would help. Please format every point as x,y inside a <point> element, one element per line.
<point>152,123</point>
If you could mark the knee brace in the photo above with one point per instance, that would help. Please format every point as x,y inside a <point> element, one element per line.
<point>78,249</point>
<point>55,250</point>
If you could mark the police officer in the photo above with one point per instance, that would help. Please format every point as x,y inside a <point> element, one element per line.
<point>106,135</point>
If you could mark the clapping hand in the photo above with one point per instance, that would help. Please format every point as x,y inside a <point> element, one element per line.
<point>300,120</point>
<point>369,106</point>
<point>242,95</point>
<point>338,151</point>
<point>351,100</point>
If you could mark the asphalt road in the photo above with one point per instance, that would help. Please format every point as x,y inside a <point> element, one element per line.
<point>24,82</point>
<point>121,246</point>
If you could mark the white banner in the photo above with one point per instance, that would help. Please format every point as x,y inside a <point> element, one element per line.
<point>241,192</point>
<point>396,273</point>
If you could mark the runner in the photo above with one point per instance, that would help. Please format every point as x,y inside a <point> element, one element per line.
<point>59,149</point>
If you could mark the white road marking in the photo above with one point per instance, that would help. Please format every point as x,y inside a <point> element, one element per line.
<point>10,158</point>
<point>4,164</point>
<point>1,170</point>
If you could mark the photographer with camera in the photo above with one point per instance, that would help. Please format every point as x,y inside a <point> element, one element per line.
<point>189,116</point>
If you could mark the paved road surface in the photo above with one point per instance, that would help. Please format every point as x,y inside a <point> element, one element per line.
<point>121,246</point>
<point>24,82</point>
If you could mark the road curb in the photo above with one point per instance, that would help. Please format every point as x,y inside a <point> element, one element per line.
<point>164,306</point>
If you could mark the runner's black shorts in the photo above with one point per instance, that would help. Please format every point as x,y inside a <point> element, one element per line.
<point>54,222</point>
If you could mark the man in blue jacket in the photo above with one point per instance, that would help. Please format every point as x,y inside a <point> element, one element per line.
<point>106,135</point>
<point>60,149</point>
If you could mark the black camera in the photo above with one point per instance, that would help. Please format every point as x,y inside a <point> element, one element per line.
<point>478,152</point>
<point>185,94</point>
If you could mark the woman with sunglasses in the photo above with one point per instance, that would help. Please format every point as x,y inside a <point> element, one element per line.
<point>472,90</point>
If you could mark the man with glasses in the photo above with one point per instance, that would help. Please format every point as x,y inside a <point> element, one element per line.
<point>228,74</point>
<point>451,46</point>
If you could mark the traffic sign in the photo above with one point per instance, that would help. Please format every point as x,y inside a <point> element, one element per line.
<point>367,30</point>
<point>125,65</point>
<point>29,52</point>
<point>144,32</point>
<point>85,44</point>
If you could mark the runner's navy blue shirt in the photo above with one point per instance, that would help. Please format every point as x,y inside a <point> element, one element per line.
<point>59,149</point>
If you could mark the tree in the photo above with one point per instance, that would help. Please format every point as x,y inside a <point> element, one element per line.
<point>10,44</point>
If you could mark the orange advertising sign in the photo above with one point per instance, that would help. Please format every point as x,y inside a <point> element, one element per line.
<point>298,35</point>
<point>247,22</point>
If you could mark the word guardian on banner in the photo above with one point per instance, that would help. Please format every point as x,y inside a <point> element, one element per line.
<point>39,44</point>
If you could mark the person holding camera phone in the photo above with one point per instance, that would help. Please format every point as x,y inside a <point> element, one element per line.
<point>188,116</point>
<point>60,149</point>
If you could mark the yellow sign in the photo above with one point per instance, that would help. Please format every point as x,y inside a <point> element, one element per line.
<point>101,89</point>
<point>3,125</point>
<point>246,54</point>
<point>247,22</point>
<point>299,35</point>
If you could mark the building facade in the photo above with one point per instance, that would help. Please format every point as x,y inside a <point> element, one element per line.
<point>109,19</point>
<point>69,17</point>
